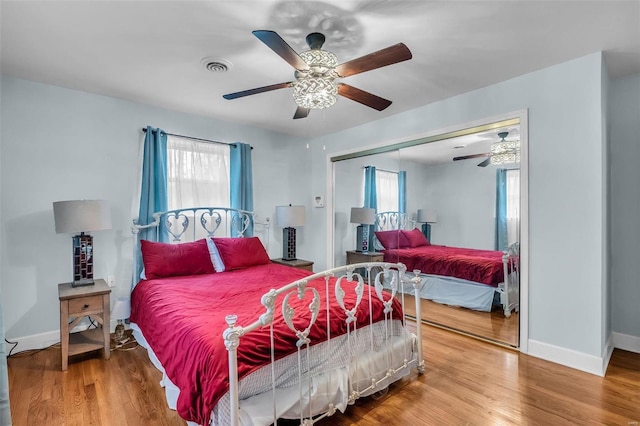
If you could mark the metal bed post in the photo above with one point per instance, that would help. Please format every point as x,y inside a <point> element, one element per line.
<point>232,340</point>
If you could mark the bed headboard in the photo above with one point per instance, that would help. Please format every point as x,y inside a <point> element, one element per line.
<point>190,224</point>
<point>389,221</point>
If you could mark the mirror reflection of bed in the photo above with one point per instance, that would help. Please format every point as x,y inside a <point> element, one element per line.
<point>460,198</point>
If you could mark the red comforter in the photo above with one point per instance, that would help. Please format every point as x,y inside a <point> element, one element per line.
<point>182,319</point>
<point>482,266</point>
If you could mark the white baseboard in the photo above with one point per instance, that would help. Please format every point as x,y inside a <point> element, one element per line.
<point>626,342</point>
<point>43,340</point>
<point>608,351</point>
<point>569,358</point>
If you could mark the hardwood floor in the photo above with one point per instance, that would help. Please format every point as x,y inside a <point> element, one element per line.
<point>492,325</point>
<point>466,381</point>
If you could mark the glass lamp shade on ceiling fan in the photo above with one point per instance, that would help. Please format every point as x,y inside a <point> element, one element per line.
<point>505,152</point>
<point>316,88</point>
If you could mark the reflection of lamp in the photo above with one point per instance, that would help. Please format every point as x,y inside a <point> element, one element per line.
<point>288,217</point>
<point>82,216</point>
<point>315,87</point>
<point>426,217</point>
<point>505,152</point>
<point>363,217</point>
<point>121,310</point>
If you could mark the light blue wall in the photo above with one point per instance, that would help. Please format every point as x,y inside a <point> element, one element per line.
<point>625,204</point>
<point>60,144</point>
<point>565,196</point>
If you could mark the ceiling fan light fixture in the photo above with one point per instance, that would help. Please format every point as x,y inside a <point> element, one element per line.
<point>315,92</point>
<point>505,152</point>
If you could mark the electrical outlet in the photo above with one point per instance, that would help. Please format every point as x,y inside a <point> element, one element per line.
<point>111,280</point>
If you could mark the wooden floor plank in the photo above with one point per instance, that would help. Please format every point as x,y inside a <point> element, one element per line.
<point>467,381</point>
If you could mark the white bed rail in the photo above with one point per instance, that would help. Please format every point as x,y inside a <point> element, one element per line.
<point>510,288</point>
<point>375,274</point>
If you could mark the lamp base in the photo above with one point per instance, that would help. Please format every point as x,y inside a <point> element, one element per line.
<point>362,239</point>
<point>426,230</point>
<point>82,282</point>
<point>289,243</point>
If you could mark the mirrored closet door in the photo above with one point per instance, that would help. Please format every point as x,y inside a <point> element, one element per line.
<point>457,199</point>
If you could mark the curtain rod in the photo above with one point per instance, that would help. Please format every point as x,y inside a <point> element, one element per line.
<point>382,170</point>
<point>144,130</point>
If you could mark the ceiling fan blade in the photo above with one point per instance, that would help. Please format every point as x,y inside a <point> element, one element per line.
<point>485,163</point>
<point>278,45</point>
<point>391,55</point>
<point>301,112</point>
<point>466,157</point>
<point>365,98</point>
<point>257,90</point>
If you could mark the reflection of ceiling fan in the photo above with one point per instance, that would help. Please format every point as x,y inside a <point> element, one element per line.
<point>317,70</point>
<point>484,163</point>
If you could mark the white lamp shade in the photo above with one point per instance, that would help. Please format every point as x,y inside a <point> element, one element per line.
<point>121,309</point>
<point>289,216</point>
<point>81,216</point>
<point>426,216</point>
<point>363,215</point>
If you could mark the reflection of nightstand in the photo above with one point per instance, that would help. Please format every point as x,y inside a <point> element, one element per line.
<point>307,265</point>
<point>360,257</point>
<point>77,303</point>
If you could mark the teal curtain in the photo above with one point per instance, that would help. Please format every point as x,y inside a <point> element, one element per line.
<point>241,181</point>
<point>5,408</point>
<point>501,210</point>
<point>402,191</point>
<point>370,198</point>
<point>153,195</point>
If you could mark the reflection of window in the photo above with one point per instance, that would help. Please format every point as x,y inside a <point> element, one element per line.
<point>197,173</point>
<point>387,190</point>
<point>513,205</point>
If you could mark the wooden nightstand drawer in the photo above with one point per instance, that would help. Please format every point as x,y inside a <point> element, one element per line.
<point>85,305</point>
<point>307,265</point>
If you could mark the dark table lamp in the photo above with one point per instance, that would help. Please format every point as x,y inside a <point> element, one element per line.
<point>80,216</point>
<point>426,217</point>
<point>364,217</point>
<point>288,217</point>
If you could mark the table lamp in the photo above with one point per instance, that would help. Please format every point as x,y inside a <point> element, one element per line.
<point>426,217</point>
<point>80,216</point>
<point>288,217</point>
<point>364,217</point>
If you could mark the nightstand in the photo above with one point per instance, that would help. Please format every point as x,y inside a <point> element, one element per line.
<point>307,265</point>
<point>360,257</point>
<point>79,302</point>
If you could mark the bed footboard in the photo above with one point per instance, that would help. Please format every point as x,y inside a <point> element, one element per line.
<point>510,288</point>
<point>373,360</point>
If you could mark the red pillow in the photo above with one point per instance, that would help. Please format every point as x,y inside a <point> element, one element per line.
<point>392,239</point>
<point>415,238</point>
<point>239,253</point>
<point>171,260</point>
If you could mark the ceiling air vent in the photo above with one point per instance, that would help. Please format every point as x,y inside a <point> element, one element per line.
<point>216,64</point>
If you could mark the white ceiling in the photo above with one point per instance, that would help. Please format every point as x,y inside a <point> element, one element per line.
<point>152,52</point>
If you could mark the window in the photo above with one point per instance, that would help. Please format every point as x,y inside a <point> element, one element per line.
<point>513,205</point>
<point>197,173</point>
<point>387,191</point>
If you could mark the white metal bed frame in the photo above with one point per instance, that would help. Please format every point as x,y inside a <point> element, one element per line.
<point>177,224</point>
<point>508,290</point>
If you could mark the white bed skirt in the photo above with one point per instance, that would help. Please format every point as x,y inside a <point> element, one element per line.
<point>457,292</point>
<point>329,384</point>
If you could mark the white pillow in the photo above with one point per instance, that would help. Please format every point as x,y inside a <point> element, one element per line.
<point>218,265</point>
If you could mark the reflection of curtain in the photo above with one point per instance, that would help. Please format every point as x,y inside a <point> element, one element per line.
<point>402,191</point>
<point>241,180</point>
<point>386,191</point>
<point>5,409</point>
<point>501,210</point>
<point>153,195</point>
<point>370,199</point>
<point>513,206</point>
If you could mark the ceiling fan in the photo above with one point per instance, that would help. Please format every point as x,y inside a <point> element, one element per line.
<point>317,70</point>
<point>494,150</point>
